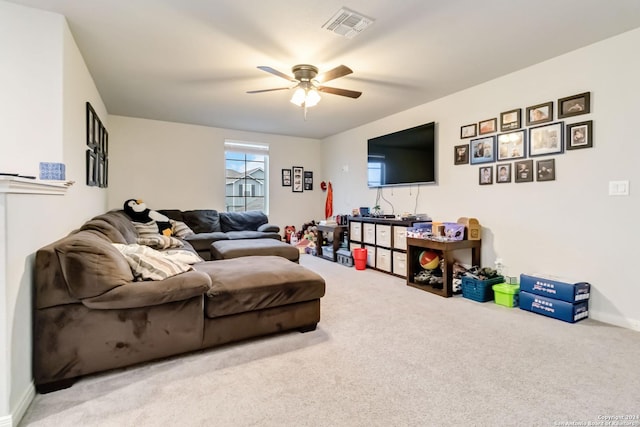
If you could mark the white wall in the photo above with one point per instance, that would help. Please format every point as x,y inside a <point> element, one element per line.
<point>181,166</point>
<point>44,84</point>
<point>569,227</point>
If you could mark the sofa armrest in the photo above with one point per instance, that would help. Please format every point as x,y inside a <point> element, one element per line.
<point>147,293</point>
<point>269,228</point>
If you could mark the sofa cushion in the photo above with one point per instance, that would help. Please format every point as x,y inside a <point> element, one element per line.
<point>253,283</point>
<point>240,221</point>
<point>237,235</point>
<point>174,214</point>
<point>91,265</point>
<point>202,220</point>
<point>202,241</point>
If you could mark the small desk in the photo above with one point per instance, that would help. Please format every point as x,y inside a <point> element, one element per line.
<point>337,231</point>
<point>415,245</point>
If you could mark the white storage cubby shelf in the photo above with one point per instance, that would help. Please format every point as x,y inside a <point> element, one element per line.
<point>385,240</point>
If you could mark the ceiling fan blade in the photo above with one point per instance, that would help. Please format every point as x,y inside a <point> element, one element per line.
<point>268,90</point>
<point>343,92</point>
<point>339,71</point>
<point>276,73</point>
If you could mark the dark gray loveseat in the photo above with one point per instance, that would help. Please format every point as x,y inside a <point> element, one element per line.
<point>210,226</point>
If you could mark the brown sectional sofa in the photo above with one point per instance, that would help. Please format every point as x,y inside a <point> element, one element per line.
<point>91,314</point>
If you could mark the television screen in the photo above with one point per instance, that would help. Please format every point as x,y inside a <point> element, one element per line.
<point>402,158</point>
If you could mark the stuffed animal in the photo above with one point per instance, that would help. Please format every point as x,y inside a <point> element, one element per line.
<point>138,212</point>
<point>288,231</point>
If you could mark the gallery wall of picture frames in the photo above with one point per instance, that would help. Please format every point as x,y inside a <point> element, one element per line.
<point>298,179</point>
<point>515,147</point>
<point>97,153</point>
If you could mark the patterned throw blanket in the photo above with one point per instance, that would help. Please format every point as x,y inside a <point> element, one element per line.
<point>149,264</point>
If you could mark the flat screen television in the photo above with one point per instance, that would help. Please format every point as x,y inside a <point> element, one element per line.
<point>405,157</point>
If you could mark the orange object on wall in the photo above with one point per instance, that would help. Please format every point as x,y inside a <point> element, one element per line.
<point>328,206</point>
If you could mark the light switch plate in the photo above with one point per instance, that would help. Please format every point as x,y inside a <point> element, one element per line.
<point>618,188</point>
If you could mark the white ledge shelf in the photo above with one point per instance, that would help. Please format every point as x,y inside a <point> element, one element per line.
<point>17,185</point>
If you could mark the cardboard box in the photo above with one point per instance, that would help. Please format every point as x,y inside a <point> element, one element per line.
<point>555,308</point>
<point>555,287</point>
<point>473,228</point>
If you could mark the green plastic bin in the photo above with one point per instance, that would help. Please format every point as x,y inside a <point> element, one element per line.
<point>506,294</point>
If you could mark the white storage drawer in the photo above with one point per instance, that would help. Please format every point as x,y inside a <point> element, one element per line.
<point>400,237</point>
<point>400,263</point>
<point>383,259</point>
<point>353,246</point>
<point>383,235</point>
<point>355,231</point>
<point>369,233</point>
<point>371,255</point>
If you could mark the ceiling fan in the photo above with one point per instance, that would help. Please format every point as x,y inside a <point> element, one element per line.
<point>308,83</point>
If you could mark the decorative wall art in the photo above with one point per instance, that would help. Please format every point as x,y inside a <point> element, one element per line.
<point>503,173</point>
<point>485,176</point>
<point>97,157</point>
<point>541,113</point>
<point>546,139</point>
<point>468,131</point>
<point>461,154</point>
<point>286,177</point>
<point>580,135</point>
<point>546,170</point>
<point>574,105</point>
<point>483,150</point>
<point>308,180</point>
<point>488,126</point>
<point>511,120</point>
<point>512,145</point>
<point>297,184</point>
<point>523,171</point>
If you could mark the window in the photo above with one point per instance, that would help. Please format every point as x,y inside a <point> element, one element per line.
<point>246,178</point>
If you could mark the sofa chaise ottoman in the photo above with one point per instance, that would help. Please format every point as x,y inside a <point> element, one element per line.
<point>227,249</point>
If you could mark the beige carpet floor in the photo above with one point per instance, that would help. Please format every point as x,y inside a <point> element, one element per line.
<point>384,354</point>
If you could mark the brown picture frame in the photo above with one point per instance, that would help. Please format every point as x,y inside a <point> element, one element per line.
<point>546,170</point>
<point>540,113</point>
<point>485,175</point>
<point>461,154</point>
<point>468,131</point>
<point>503,173</point>
<point>488,126</point>
<point>523,171</point>
<point>579,135</point>
<point>574,105</point>
<point>511,120</point>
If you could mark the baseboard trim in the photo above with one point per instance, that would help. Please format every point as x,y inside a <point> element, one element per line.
<point>20,409</point>
<point>623,322</point>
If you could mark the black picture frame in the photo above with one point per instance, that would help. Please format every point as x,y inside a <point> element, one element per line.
<point>488,126</point>
<point>546,170</point>
<point>297,184</point>
<point>574,105</point>
<point>579,135</point>
<point>91,168</point>
<point>540,113</point>
<point>503,173</point>
<point>546,139</point>
<point>523,171</point>
<point>511,120</point>
<point>286,177</point>
<point>482,150</point>
<point>485,175</point>
<point>461,154</point>
<point>512,145</point>
<point>308,180</point>
<point>468,131</point>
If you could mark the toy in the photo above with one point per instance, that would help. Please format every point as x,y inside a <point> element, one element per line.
<point>138,212</point>
<point>289,230</point>
<point>429,260</point>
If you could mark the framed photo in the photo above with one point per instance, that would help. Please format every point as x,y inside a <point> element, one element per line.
<point>580,135</point>
<point>296,180</point>
<point>308,180</point>
<point>512,145</point>
<point>92,168</point>
<point>485,176</point>
<point>511,120</point>
<point>523,171</point>
<point>461,154</point>
<point>574,105</point>
<point>541,113</point>
<point>92,126</point>
<point>546,139</point>
<point>546,170</point>
<point>488,126</point>
<point>468,131</point>
<point>503,173</point>
<point>483,150</point>
<point>286,177</point>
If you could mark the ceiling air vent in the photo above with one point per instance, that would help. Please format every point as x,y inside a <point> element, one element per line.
<point>348,23</point>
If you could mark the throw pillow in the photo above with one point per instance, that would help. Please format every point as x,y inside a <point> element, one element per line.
<point>148,264</point>
<point>180,229</point>
<point>159,241</point>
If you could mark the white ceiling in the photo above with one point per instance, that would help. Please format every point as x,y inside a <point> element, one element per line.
<point>192,61</point>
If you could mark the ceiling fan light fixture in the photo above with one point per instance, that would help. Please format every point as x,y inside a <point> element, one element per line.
<point>306,96</point>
